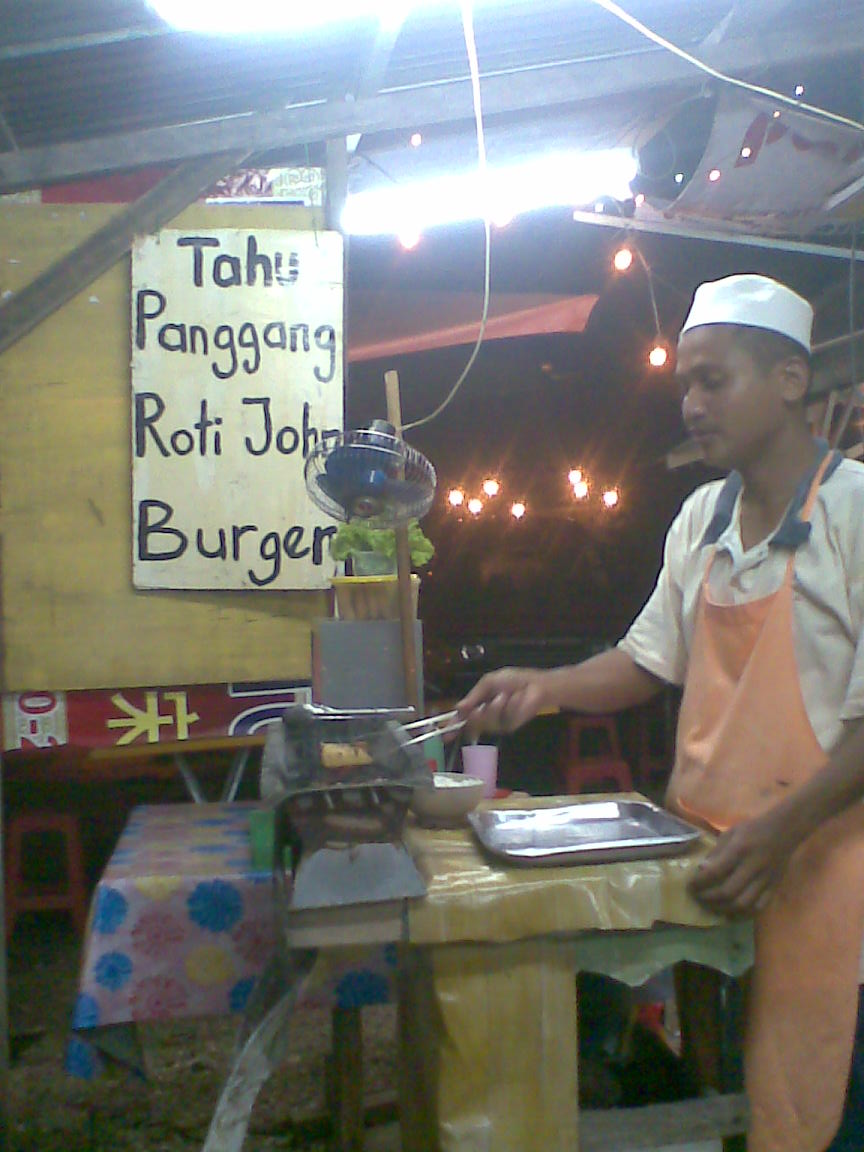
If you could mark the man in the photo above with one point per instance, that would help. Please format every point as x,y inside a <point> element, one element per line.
<point>759,613</point>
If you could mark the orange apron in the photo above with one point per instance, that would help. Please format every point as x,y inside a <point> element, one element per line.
<point>744,741</point>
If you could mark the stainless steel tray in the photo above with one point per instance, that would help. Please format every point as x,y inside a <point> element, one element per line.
<point>595,832</point>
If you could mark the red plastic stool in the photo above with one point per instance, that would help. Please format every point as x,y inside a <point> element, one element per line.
<point>592,756</point>
<point>655,757</point>
<point>22,895</point>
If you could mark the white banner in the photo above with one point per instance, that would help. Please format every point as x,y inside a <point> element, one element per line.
<point>236,375</point>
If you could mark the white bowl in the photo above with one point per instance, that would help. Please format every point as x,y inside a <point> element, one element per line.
<point>447,799</point>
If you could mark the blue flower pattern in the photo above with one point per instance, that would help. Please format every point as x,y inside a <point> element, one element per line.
<point>86,1012</point>
<point>240,993</point>
<point>113,970</point>
<point>81,1059</point>
<point>110,911</point>
<point>215,906</point>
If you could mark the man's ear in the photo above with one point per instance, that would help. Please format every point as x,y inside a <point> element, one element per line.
<point>794,376</point>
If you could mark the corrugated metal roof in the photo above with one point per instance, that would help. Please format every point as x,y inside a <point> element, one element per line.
<point>74,71</point>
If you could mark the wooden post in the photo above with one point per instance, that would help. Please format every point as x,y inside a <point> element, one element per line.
<point>403,563</point>
<point>5,1118</point>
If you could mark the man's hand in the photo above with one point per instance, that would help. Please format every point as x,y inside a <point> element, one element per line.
<point>504,700</point>
<point>739,876</point>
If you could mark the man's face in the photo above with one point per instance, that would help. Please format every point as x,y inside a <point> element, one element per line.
<point>730,405</point>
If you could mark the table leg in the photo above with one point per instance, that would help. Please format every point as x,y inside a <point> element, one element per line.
<point>507,1047</point>
<point>345,1068</point>
<point>189,778</point>
<point>235,777</point>
<point>417,1032</point>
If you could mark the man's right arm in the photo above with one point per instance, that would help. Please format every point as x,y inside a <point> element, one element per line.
<point>505,700</point>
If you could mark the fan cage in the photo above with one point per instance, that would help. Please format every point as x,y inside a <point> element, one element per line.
<point>370,475</point>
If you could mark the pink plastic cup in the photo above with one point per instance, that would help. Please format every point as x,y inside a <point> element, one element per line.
<point>481,760</point>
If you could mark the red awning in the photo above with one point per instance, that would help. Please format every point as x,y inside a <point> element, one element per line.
<point>387,323</point>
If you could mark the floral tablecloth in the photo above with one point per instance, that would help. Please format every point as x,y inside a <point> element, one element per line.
<point>181,925</point>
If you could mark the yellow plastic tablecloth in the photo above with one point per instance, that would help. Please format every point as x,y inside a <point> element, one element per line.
<point>502,945</point>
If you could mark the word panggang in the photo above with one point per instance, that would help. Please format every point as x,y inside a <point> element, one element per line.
<point>159,540</point>
<point>230,340</point>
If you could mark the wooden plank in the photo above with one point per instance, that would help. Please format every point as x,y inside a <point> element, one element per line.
<point>658,1126</point>
<point>5,1117</point>
<point>74,271</point>
<point>71,618</point>
<point>347,925</point>
<point>445,103</point>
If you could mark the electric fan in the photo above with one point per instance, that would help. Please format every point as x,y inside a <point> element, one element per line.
<point>370,475</point>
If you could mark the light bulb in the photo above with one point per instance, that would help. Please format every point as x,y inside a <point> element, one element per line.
<point>416,140</point>
<point>580,489</point>
<point>622,259</point>
<point>658,356</point>
<point>475,506</point>
<point>518,510</point>
<point>455,497</point>
<point>611,497</point>
<point>574,475</point>
<point>491,486</point>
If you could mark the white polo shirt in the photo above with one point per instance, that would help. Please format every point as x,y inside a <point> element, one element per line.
<point>828,588</point>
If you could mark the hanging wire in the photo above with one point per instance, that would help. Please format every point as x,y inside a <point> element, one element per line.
<point>474,68</point>
<point>854,397</point>
<point>823,113</point>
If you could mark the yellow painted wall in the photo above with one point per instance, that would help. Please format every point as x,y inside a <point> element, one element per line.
<point>70,616</point>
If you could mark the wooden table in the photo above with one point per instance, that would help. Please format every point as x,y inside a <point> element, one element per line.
<point>487,995</point>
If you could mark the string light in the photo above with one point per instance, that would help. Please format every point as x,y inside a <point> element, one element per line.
<point>658,356</point>
<point>580,489</point>
<point>611,497</point>
<point>518,510</point>
<point>455,497</point>
<point>475,506</point>
<point>746,152</point>
<point>409,239</point>
<point>714,175</point>
<point>574,476</point>
<point>491,486</point>
<point>622,261</point>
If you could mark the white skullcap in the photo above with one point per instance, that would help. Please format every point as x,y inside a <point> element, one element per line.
<point>754,301</point>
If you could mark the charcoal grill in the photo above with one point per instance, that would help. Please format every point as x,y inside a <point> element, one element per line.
<point>340,783</point>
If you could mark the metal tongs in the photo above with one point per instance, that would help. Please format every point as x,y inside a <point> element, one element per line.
<point>440,724</point>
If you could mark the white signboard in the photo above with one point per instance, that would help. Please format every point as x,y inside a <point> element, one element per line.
<point>236,375</point>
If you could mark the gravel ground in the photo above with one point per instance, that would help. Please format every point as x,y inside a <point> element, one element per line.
<point>51,1111</point>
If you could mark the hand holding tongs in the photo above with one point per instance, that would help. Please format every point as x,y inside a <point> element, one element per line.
<point>439,725</point>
